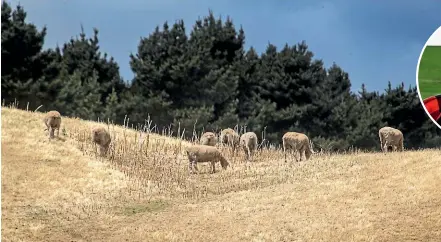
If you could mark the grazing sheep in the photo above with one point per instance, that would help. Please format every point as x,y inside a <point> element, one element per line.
<point>208,138</point>
<point>230,137</point>
<point>52,120</point>
<point>391,137</point>
<point>297,142</point>
<point>101,137</point>
<point>204,153</point>
<point>248,141</point>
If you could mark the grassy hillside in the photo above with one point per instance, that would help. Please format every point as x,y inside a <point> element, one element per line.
<point>60,190</point>
<point>429,75</point>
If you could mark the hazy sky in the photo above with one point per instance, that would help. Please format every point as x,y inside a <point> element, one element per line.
<point>374,41</point>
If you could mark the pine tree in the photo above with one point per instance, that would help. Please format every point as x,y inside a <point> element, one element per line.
<point>112,107</point>
<point>80,97</point>
<point>21,48</point>
<point>83,55</point>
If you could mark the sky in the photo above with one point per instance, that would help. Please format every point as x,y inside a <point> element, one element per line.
<point>435,38</point>
<point>374,42</point>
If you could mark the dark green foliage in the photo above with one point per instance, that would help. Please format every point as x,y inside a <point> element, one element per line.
<point>370,116</point>
<point>79,96</point>
<point>195,77</point>
<point>82,55</point>
<point>208,81</point>
<point>23,63</point>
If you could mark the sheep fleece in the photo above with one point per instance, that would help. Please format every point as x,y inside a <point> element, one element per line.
<point>101,136</point>
<point>205,153</point>
<point>208,138</point>
<point>391,136</point>
<point>248,142</point>
<point>297,142</point>
<point>229,136</point>
<point>52,120</point>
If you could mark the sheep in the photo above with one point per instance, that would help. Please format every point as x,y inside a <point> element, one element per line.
<point>390,137</point>
<point>297,142</point>
<point>230,137</point>
<point>208,138</point>
<point>101,137</point>
<point>204,153</point>
<point>248,141</point>
<point>52,120</point>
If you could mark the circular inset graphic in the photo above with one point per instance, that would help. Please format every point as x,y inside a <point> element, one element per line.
<point>428,77</point>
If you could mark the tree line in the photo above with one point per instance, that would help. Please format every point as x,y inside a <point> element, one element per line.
<point>206,80</point>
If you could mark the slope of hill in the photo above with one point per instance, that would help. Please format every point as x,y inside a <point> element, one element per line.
<point>60,190</point>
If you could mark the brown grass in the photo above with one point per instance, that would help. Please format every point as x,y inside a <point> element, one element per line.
<point>61,190</point>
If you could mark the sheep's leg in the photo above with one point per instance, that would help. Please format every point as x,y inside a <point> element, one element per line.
<point>190,166</point>
<point>291,153</point>
<point>294,154</point>
<point>385,147</point>
<point>284,151</point>
<point>251,154</point>
<point>58,132</point>
<point>213,167</point>
<point>381,144</point>
<point>384,143</point>
<point>248,153</point>
<point>195,166</point>
<point>51,133</point>
<point>230,146</point>
<point>102,150</point>
<point>304,153</point>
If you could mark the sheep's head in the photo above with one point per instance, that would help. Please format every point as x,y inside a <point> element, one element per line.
<point>225,164</point>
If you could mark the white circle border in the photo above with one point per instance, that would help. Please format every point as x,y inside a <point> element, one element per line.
<point>417,81</point>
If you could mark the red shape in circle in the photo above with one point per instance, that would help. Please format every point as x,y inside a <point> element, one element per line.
<point>433,106</point>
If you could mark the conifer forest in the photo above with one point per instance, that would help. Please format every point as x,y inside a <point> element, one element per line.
<point>206,80</point>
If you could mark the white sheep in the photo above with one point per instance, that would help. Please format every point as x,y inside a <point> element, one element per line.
<point>208,138</point>
<point>230,137</point>
<point>204,153</point>
<point>248,141</point>
<point>52,120</point>
<point>102,138</point>
<point>391,137</point>
<point>297,142</point>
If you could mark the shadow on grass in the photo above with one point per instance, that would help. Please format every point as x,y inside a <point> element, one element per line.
<point>132,209</point>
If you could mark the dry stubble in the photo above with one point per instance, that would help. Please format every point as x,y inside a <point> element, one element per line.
<point>57,190</point>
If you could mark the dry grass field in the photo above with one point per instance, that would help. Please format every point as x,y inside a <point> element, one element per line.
<point>60,190</point>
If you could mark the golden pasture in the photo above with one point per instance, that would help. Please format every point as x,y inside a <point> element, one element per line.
<point>61,190</point>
